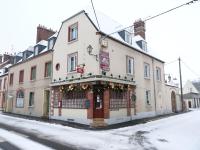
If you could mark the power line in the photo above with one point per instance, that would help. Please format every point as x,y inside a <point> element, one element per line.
<point>171,62</point>
<point>190,69</point>
<point>162,13</point>
<point>95,15</point>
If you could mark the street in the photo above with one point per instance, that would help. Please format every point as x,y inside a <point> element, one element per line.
<point>175,132</point>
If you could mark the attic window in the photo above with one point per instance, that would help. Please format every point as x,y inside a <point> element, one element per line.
<point>144,46</point>
<point>36,50</point>
<point>51,43</point>
<point>128,38</point>
<point>73,32</point>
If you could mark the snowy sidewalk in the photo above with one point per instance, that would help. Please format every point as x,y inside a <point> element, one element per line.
<point>175,132</point>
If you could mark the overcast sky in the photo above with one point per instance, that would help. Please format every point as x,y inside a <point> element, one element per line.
<point>169,36</point>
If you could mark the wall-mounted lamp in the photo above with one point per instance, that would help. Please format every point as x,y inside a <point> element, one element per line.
<point>89,50</point>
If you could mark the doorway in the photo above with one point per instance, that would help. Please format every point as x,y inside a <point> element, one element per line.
<point>46,103</point>
<point>98,105</point>
<point>189,104</point>
<point>173,100</point>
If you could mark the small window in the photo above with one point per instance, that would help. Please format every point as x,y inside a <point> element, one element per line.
<point>11,79</point>
<point>128,38</point>
<point>21,76</point>
<point>31,99</point>
<point>148,96</point>
<point>146,70</point>
<point>33,73</point>
<point>144,46</point>
<point>158,74</point>
<point>51,43</point>
<point>47,72</point>
<point>72,62</point>
<point>130,65</point>
<point>73,32</point>
<point>57,67</point>
<point>36,50</point>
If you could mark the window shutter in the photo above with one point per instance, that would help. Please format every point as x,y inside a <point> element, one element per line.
<point>68,34</point>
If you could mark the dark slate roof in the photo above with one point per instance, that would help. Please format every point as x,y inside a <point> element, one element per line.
<point>197,85</point>
<point>191,96</point>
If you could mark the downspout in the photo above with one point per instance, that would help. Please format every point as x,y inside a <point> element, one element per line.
<point>154,86</point>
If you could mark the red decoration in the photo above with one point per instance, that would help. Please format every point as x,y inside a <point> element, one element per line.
<point>80,69</point>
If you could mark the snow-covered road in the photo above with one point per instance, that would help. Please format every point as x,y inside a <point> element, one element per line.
<point>175,132</point>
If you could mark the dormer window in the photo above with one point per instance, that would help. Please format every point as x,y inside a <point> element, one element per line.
<point>51,42</point>
<point>73,32</point>
<point>36,50</point>
<point>144,46</point>
<point>128,38</point>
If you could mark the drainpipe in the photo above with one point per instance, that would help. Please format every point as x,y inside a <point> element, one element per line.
<point>154,86</point>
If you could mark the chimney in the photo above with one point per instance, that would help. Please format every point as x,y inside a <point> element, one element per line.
<point>139,28</point>
<point>43,33</point>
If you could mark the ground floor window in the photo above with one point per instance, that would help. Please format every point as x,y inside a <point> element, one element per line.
<point>118,99</point>
<point>20,99</point>
<point>71,99</point>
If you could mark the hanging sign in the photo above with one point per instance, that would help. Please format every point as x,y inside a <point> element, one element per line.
<point>104,61</point>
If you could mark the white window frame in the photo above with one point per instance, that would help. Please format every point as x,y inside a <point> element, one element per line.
<point>147,96</point>
<point>73,32</point>
<point>144,46</point>
<point>128,37</point>
<point>71,68</point>
<point>20,99</point>
<point>146,71</point>
<point>130,65</point>
<point>158,74</point>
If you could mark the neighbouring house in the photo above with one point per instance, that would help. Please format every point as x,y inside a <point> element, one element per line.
<point>101,78</point>
<point>6,61</point>
<point>30,76</point>
<point>191,94</point>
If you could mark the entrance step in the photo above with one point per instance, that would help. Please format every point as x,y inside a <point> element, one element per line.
<point>98,122</point>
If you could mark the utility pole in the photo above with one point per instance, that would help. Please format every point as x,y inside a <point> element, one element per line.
<point>179,60</point>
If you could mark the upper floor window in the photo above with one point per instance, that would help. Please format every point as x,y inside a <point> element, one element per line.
<point>72,62</point>
<point>158,74</point>
<point>21,76</point>
<point>130,65</point>
<point>11,79</point>
<point>148,96</point>
<point>47,71</point>
<point>146,70</point>
<point>33,73</point>
<point>73,32</point>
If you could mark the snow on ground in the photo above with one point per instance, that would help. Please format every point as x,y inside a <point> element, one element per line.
<point>20,141</point>
<point>175,132</point>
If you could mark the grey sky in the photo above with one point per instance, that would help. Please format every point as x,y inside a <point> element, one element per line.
<point>169,36</point>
